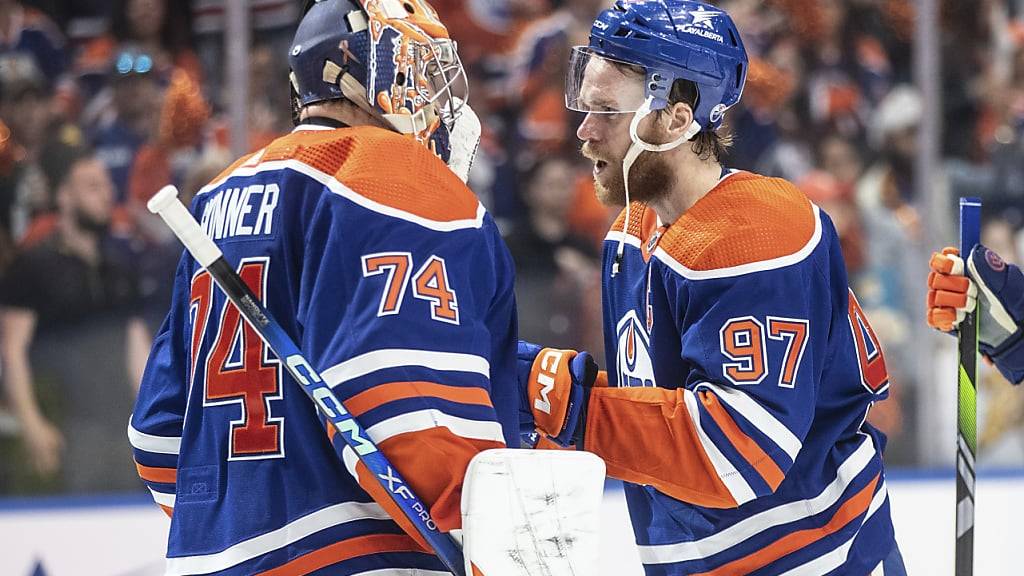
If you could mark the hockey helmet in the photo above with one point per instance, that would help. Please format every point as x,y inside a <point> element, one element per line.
<point>664,40</point>
<point>393,58</point>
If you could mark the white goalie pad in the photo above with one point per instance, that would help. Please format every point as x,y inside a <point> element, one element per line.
<point>532,513</point>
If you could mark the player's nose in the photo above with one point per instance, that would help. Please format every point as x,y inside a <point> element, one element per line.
<point>588,129</point>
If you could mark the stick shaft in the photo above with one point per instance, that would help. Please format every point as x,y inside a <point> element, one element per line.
<point>174,213</point>
<point>966,435</point>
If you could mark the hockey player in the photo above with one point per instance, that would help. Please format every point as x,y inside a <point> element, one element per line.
<point>998,286</point>
<point>740,366</point>
<point>381,263</point>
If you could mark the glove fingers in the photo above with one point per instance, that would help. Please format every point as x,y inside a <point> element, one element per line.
<point>947,262</point>
<point>944,319</point>
<point>946,299</point>
<point>959,284</point>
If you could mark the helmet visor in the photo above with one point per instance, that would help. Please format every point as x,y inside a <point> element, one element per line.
<point>596,84</point>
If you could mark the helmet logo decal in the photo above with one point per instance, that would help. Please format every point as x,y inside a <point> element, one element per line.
<point>703,25</point>
<point>717,112</point>
<point>704,18</point>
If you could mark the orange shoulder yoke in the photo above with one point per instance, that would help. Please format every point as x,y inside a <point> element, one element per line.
<point>382,166</point>
<point>746,219</point>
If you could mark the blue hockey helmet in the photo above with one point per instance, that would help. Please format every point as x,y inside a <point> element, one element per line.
<point>669,40</point>
<point>392,58</point>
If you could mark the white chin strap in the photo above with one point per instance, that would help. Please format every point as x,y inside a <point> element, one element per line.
<point>638,146</point>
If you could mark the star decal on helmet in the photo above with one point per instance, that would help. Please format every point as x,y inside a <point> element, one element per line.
<point>704,18</point>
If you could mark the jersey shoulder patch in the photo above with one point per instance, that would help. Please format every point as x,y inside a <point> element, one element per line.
<point>745,224</point>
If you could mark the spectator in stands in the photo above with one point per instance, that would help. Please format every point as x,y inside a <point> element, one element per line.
<point>132,118</point>
<point>157,28</point>
<point>70,332</point>
<point>28,32</point>
<point>556,269</point>
<point>25,109</point>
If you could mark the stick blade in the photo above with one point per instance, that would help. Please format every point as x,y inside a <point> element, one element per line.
<point>532,512</point>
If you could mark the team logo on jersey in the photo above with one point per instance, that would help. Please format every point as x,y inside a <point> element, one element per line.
<point>633,353</point>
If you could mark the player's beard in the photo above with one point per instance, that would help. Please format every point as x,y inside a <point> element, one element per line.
<point>650,178</point>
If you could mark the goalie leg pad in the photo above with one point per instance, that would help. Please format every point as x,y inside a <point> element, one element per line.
<point>528,512</point>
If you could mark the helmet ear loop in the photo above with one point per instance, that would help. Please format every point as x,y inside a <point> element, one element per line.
<point>639,145</point>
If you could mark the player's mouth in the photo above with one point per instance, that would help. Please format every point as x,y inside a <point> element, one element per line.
<point>599,166</point>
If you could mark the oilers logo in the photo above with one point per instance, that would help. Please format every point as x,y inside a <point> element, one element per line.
<point>633,352</point>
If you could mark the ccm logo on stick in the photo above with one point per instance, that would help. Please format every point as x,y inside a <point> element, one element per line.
<point>548,370</point>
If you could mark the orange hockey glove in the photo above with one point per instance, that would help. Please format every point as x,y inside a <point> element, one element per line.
<point>555,386</point>
<point>950,292</point>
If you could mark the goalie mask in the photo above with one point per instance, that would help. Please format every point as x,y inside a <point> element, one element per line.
<point>392,58</point>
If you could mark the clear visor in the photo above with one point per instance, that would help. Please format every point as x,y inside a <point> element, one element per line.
<point>445,80</point>
<point>596,84</point>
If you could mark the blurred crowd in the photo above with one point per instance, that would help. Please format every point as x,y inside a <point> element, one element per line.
<point>102,102</point>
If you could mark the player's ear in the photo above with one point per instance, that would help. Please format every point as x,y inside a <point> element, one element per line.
<point>679,115</point>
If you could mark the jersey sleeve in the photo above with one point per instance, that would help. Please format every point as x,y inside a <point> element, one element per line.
<point>155,426</point>
<point>754,344</point>
<point>394,314</point>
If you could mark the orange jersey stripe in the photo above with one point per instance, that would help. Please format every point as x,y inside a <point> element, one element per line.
<point>392,391</point>
<point>161,475</point>
<point>658,416</point>
<point>344,550</point>
<point>848,512</point>
<point>167,510</point>
<point>744,444</point>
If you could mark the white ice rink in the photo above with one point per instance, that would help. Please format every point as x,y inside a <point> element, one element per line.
<point>125,536</point>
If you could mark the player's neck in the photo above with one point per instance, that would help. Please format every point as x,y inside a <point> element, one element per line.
<point>342,111</point>
<point>694,179</point>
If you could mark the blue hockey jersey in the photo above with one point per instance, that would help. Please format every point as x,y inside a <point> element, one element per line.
<point>741,370</point>
<point>396,284</point>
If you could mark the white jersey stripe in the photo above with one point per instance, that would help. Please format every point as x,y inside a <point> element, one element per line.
<point>733,480</point>
<point>433,418</point>
<point>337,187</point>
<point>828,562</point>
<point>758,416</point>
<point>396,358</point>
<point>163,498</point>
<point>283,536</point>
<point>749,527</point>
<point>424,420</point>
<point>156,444</point>
<point>403,572</point>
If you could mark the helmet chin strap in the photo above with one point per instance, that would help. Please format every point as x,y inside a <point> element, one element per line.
<point>639,145</point>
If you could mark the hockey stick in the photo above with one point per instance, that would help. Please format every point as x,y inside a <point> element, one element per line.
<point>966,409</point>
<point>208,255</point>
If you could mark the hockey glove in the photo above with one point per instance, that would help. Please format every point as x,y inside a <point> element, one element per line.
<point>554,386</point>
<point>999,289</point>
